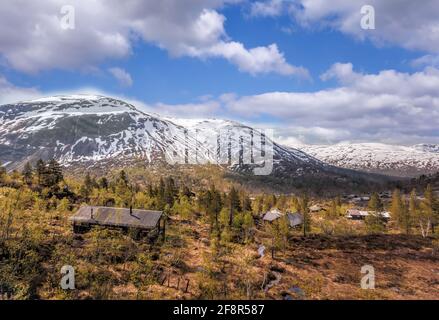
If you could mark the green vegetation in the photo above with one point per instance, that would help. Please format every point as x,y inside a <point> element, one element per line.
<point>212,241</point>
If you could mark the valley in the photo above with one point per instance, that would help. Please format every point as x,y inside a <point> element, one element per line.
<point>225,233</point>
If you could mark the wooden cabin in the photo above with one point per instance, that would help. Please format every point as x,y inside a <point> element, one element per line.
<point>140,222</point>
<point>272,215</point>
<point>295,219</point>
<point>356,214</point>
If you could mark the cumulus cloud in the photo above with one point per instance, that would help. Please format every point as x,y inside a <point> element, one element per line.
<point>268,8</point>
<point>10,93</point>
<point>32,39</point>
<point>188,111</point>
<point>426,60</point>
<point>405,23</point>
<point>389,106</point>
<point>256,60</point>
<point>123,77</point>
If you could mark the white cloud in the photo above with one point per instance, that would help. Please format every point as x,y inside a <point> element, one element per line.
<point>10,93</point>
<point>123,77</point>
<point>389,106</point>
<point>405,23</point>
<point>268,8</point>
<point>426,60</point>
<point>188,111</point>
<point>32,39</point>
<point>256,60</point>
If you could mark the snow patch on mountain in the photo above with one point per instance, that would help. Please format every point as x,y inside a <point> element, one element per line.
<point>378,157</point>
<point>89,129</point>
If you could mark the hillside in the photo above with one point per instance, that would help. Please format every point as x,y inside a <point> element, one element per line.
<point>95,132</point>
<point>399,161</point>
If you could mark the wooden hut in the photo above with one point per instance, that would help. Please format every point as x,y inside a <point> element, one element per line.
<point>295,219</point>
<point>140,222</point>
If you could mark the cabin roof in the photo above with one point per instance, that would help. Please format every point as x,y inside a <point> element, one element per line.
<point>272,215</point>
<point>295,219</point>
<point>117,217</point>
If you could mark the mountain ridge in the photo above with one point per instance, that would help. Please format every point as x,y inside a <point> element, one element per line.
<point>394,160</point>
<point>90,130</point>
<point>86,128</point>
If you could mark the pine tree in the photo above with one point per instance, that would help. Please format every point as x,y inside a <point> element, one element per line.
<point>304,209</point>
<point>234,204</point>
<point>425,214</point>
<point>374,223</point>
<point>86,187</point>
<point>152,190</point>
<point>123,178</point>
<point>56,171</point>
<point>185,191</point>
<point>333,210</point>
<point>161,194</point>
<point>2,174</point>
<point>338,201</point>
<point>40,170</point>
<point>375,203</point>
<point>103,183</point>
<point>410,212</point>
<point>27,173</point>
<point>246,204</point>
<point>396,208</point>
<point>170,191</point>
<point>247,224</point>
<point>284,230</point>
<point>215,205</point>
<point>50,174</point>
<point>257,205</point>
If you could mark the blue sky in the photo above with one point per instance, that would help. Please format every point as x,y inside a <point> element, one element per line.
<point>159,77</point>
<point>183,63</point>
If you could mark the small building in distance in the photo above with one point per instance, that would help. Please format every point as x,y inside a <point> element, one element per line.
<point>295,219</point>
<point>140,222</point>
<point>356,214</point>
<point>272,215</point>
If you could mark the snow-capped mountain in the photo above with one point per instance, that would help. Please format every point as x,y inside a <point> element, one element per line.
<point>88,130</point>
<point>381,158</point>
<point>427,147</point>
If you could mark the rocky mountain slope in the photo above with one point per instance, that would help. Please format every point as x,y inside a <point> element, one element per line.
<point>380,158</point>
<point>91,130</point>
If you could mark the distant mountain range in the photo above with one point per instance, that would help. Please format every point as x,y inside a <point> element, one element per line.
<point>400,161</point>
<point>91,130</point>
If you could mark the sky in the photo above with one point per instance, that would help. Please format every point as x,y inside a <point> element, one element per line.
<point>315,71</point>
